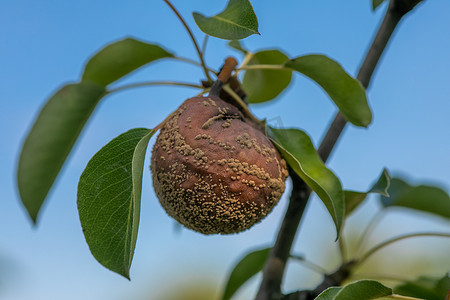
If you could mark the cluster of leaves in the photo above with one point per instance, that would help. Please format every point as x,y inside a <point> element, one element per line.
<point>402,195</point>
<point>109,189</point>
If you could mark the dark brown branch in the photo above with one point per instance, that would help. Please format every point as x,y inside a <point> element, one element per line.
<point>276,263</point>
<point>270,288</point>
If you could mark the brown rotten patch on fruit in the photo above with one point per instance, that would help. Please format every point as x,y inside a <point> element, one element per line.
<point>213,170</point>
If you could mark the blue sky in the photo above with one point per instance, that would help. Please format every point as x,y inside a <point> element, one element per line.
<point>44,44</point>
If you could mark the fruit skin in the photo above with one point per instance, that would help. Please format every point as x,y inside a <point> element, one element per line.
<point>213,170</point>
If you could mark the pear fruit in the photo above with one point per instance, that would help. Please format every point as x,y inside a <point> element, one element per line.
<point>214,170</point>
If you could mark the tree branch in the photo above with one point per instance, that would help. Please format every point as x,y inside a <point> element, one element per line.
<point>276,263</point>
<point>273,272</point>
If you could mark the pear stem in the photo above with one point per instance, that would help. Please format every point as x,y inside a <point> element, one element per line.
<point>224,75</point>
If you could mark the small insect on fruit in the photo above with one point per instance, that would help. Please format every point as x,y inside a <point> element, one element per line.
<point>213,169</point>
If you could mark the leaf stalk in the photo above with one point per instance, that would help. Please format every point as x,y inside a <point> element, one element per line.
<point>264,67</point>
<point>153,83</point>
<point>191,35</point>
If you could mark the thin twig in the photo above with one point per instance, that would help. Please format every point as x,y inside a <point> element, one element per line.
<point>264,67</point>
<point>309,264</point>
<point>248,56</point>
<point>187,60</point>
<point>158,127</point>
<point>205,42</point>
<point>153,83</point>
<point>342,250</point>
<point>204,91</point>
<point>396,239</point>
<point>242,103</point>
<point>376,219</point>
<point>193,62</point>
<point>194,41</point>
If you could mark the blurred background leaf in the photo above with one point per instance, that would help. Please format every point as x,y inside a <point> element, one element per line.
<point>430,288</point>
<point>246,268</point>
<point>51,139</point>
<point>354,199</point>
<point>424,198</point>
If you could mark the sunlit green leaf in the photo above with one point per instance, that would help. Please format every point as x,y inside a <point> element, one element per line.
<point>120,58</point>
<point>376,3</point>
<point>263,85</point>
<point>425,287</point>
<point>354,199</point>
<point>329,293</point>
<point>237,45</point>
<point>424,198</point>
<point>245,269</point>
<point>51,139</point>
<point>363,289</point>
<point>347,93</point>
<point>236,22</point>
<point>443,284</point>
<point>358,290</point>
<point>109,193</point>
<point>298,151</point>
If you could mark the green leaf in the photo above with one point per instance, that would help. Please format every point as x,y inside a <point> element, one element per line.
<point>329,293</point>
<point>235,44</point>
<point>425,287</point>
<point>298,151</point>
<point>245,269</point>
<point>236,22</point>
<point>120,58</point>
<point>376,3</point>
<point>347,93</point>
<point>51,139</point>
<point>424,198</point>
<point>109,193</point>
<point>354,199</point>
<point>443,285</point>
<point>358,290</point>
<point>264,85</point>
<point>363,289</point>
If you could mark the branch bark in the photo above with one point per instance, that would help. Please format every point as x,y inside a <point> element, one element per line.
<point>273,272</point>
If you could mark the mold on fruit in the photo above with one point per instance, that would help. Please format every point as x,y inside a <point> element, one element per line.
<point>213,170</point>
